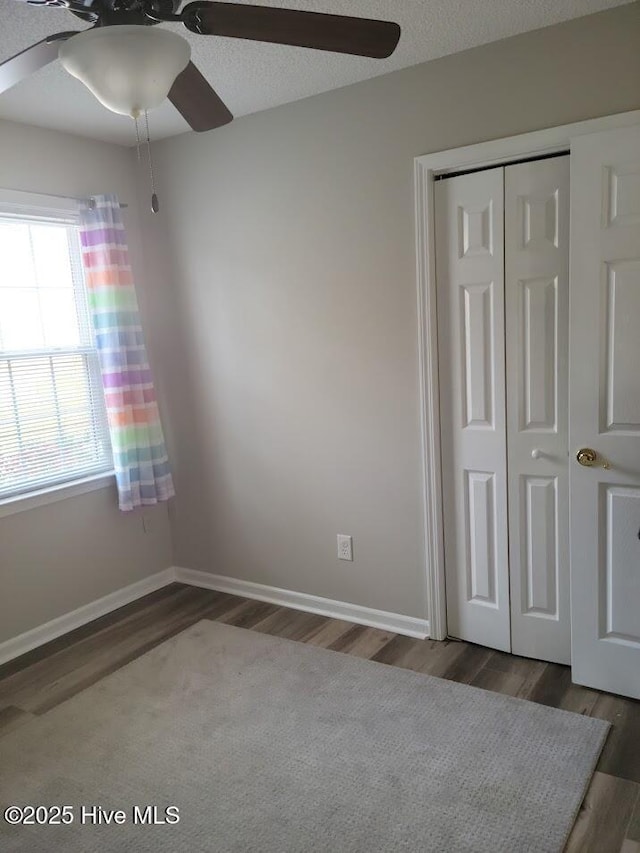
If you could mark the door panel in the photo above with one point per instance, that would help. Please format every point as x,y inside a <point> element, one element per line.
<point>538,327</point>
<point>480,513</point>
<point>539,522</point>
<point>605,410</point>
<point>469,272</point>
<point>620,378</point>
<point>536,311</point>
<point>620,614</point>
<point>476,325</point>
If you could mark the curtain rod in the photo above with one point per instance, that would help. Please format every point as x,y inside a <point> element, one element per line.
<point>89,199</point>
<point>92,202</point>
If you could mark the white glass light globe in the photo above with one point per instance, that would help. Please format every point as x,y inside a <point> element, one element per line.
<point>128,68</point>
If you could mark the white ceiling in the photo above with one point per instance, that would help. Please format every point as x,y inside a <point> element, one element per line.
<point>250,76</point>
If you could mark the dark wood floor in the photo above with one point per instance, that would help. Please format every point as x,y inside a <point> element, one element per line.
<point>609,821</point>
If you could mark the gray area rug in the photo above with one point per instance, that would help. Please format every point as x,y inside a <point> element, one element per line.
<point>272,746</point>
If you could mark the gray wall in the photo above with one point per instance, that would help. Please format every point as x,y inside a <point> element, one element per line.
<point>290,238</point>
<point>58,557</point>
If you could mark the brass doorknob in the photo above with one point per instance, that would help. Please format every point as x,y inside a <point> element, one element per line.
<point>589,458</point>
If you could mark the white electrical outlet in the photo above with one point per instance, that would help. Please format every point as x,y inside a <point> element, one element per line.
<point>345,547</point>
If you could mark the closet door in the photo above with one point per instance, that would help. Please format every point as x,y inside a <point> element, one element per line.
<point>537,322</point>
<point>470,296</point>
<point>605,411</point>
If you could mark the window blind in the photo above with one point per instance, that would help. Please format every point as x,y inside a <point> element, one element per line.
<point>53,424</point>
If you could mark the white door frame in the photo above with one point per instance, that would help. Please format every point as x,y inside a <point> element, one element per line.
<point>426,168</point>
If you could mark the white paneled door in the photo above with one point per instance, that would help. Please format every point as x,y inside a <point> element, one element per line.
<point>470,295</point>
<point>605,411</point>
<point>536,323</point>
<point>502,271</point>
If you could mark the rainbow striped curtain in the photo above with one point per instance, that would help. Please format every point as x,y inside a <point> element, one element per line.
<point>139,454</point>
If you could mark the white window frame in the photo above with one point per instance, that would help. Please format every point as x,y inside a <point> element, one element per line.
<point>33,206</point>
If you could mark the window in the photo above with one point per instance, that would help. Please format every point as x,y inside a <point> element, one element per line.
<point>53,423</point>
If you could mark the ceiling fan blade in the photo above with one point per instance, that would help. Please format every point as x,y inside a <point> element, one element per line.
<point>23,64</point>
<point>197,102</point>
<point>358,36</point>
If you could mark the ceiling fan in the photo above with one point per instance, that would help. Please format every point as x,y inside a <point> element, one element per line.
<point>132,68</point>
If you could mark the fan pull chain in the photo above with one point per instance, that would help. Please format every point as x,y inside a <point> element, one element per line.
<point>135,119</point>
<point>155,206</point>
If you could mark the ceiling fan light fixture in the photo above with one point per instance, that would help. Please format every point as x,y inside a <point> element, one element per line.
<point>129,68</point>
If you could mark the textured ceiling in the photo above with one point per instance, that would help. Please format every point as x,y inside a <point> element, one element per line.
<point>250,76</point>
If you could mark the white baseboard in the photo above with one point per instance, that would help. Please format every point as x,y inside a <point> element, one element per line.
<point>396,622</point>
<point>17,646</point>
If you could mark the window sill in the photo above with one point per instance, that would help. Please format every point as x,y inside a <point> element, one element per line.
<point>21,503</point>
